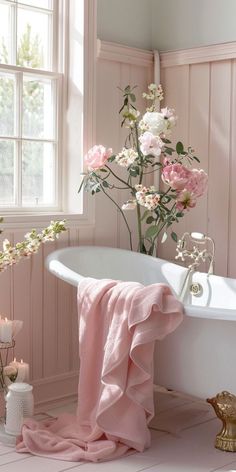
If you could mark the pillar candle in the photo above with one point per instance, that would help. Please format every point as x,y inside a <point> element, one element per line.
<point>5,331</point>
<point>23,372</point>
<point>22,369</point>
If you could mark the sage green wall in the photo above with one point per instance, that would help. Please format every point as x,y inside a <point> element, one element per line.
<point>167,24</point>
<point>125,21</point>
<point>180,24</point>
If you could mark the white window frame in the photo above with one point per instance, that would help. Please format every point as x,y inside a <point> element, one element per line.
<point>84,212</point>
<point>56,141</point>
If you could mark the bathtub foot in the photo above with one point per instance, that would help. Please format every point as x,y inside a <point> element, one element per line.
<point>224,404</point>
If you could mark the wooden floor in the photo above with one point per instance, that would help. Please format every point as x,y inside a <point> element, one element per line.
<point>182,441</point>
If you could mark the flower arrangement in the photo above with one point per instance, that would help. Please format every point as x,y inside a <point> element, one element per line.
<point>147,150</point>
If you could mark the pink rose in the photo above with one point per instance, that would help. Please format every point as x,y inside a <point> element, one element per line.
<point>150,144</point>
<point>197,183</point>
<point>97,157</point>
<point>176,176</point>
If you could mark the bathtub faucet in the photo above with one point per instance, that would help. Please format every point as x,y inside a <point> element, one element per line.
<point>190,246</point>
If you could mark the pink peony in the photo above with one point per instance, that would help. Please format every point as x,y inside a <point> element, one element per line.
<point>150,144</point>
<point>197,183</point>
<point>176,176</point>
<point>97,157</point>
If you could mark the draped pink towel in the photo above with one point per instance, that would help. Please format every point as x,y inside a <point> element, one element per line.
<point>118,325</point>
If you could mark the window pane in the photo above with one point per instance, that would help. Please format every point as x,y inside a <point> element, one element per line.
<point>37,3</point>
<point>6,173</point>
<point>5,34</point>
<point>7,104</point>
<point>33,39</point>
<point>38,170</point>
<point>38,108</point>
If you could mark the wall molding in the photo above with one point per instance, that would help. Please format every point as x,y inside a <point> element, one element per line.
<point>49,391</point>
<point>124,54</point>
<point>215,52</point>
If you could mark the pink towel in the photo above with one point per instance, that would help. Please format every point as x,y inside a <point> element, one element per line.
<point>118,325</point>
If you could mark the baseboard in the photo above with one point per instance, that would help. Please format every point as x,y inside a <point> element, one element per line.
<point>57,390</point>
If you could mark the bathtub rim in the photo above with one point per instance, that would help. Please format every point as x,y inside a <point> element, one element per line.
<point>61,271</point>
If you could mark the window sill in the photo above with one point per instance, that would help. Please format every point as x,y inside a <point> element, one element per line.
<point>26,220</point>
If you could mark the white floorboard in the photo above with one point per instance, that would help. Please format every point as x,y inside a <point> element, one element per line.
<point>182,441</point>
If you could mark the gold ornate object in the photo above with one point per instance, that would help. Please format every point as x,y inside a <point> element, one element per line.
<point>224,404</point>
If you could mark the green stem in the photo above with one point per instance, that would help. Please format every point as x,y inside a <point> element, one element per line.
<point>139,153</point>
<point>118,178</point>
<point>139,228</point>
<point>163,225</point>
<point>125,220</point>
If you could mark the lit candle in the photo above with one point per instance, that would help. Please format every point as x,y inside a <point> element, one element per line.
<point>5,331</point>
<point>22,370</point>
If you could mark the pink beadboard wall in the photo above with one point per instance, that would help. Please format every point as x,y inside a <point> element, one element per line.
<point>200,84</point>
<point>47,306</point>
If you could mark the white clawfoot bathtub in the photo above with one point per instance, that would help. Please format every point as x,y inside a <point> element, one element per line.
<point>199,358</point>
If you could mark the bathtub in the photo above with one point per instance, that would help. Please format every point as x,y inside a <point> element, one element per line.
<point>199,358</point>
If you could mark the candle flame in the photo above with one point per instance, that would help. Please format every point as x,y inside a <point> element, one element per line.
<point>14,359</point>
<point>21,361</point>
<point>6,318</point>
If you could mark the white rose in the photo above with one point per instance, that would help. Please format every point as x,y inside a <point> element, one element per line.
<point>155,123</point>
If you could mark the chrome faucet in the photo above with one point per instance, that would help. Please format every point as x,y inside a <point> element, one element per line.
<point>189,246</point>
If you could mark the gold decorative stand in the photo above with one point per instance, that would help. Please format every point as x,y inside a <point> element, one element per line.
<point>224,404</point>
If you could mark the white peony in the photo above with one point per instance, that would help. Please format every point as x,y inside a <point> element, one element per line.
<point>154,122</point>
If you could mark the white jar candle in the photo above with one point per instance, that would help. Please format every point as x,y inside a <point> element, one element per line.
<point>19,405</point>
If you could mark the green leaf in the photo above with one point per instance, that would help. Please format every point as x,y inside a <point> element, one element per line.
<point>150,220</point>
<point>105,183</point>
<point>196,159</point>
<point>166,141</point>
<point>164,237</point>
<point>144,215</point>
<point>169,151</point>
<point>134,171</point>
<point>157,164</point>
<point>143,249</point>
<point>151,249</point>
<point>179,214</point>
<point>111,158</point>
<point>132,97</point>
<point>174,236</point>
<point>179,148</point>
<point>151,231</point>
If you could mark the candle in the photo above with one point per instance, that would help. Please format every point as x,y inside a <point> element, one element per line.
<point>22,370</point>
<point>5,330</point>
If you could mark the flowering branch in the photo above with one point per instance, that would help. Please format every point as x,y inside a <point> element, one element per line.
<point>147,149</point>
<point>12,254</point>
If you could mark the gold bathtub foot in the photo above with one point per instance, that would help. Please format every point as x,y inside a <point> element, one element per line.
<point>224,404</point>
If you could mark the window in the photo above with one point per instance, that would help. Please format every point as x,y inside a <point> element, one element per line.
<point>30,95</point>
